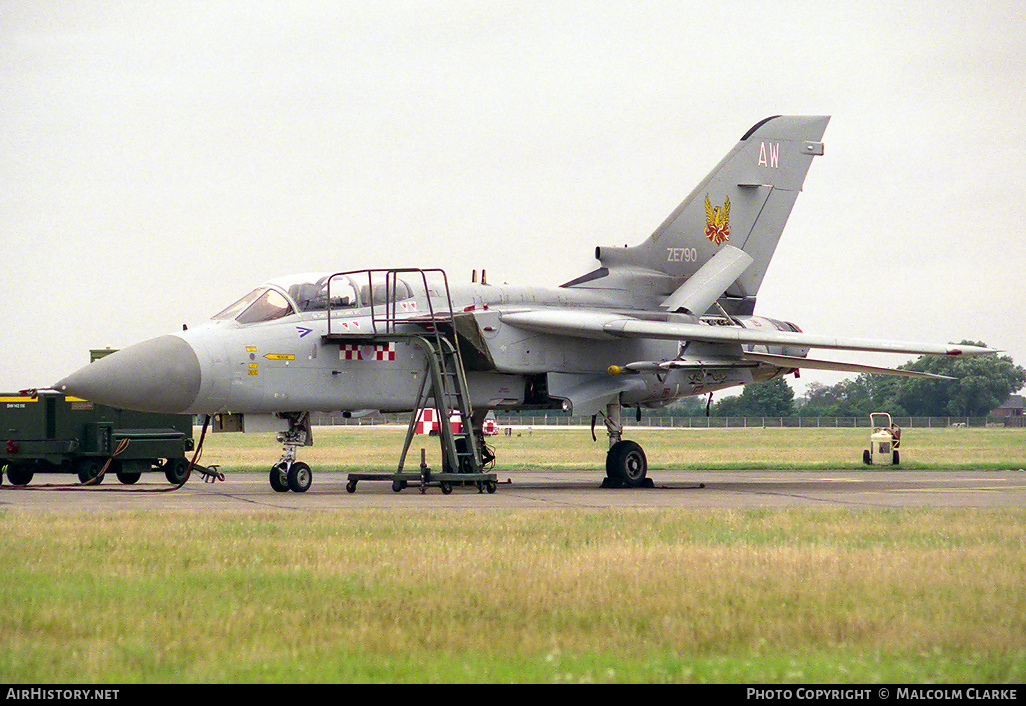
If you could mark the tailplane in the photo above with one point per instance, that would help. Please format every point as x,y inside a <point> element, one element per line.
<point>743,203</point>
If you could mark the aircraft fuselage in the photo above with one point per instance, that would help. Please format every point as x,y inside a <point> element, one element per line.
<point>287,364</point>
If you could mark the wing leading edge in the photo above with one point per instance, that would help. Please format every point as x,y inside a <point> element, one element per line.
<point>607,326</point>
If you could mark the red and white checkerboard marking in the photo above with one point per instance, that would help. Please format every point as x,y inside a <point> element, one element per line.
<point>355,351</point>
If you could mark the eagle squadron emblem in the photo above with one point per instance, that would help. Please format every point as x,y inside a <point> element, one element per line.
<point>717,222</point>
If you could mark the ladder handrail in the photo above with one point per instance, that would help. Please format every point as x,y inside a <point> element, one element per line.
<point>390,319</point>
<point>391,303</point>
<point>438,352</point>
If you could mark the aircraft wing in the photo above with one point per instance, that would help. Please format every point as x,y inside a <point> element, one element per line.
<point>610,325</point>
<point>785,361</point>
<point>781,361</point>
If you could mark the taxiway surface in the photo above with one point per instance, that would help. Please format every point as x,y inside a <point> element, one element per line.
<point>552,489</point>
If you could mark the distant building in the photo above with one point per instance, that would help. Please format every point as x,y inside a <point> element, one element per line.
<point>1013,407</point>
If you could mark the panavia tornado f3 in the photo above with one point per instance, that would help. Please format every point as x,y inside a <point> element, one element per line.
<point>671,317</point>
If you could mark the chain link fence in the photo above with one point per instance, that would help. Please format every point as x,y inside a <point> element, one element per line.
<point>702,422</point>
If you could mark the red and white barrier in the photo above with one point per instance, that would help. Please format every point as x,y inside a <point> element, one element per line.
<point>427,422</point>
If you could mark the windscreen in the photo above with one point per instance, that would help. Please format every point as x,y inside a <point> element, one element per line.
<point>238,307</point>
<point>270,305</point>
<point>259,305</point>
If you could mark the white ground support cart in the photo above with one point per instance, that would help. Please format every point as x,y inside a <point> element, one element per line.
<point>883,441</point>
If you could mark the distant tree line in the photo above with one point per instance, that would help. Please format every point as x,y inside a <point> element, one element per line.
<point>978,385</point>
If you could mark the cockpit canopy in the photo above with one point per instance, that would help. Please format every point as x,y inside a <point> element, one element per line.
<point>262,304</point>
<point>302,293</point>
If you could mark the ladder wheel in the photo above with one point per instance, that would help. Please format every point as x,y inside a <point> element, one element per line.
<point>351,486</point>
<point>446,487</point>
<point>398,485</point>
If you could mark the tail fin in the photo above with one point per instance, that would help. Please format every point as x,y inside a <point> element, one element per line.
<point>744,202</point>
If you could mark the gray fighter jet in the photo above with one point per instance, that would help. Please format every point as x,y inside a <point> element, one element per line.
<point>671,317</point>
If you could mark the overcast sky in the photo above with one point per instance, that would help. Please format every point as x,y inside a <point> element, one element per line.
<point>159,159</point>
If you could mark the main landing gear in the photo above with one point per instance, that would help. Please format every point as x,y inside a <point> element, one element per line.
<point>290,474</point>
<point>626,464</point>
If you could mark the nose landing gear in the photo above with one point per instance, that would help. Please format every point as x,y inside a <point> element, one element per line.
<point>288,473</point>
<point>295,476</point>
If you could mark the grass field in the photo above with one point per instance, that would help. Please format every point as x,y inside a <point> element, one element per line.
<point>757,596</point>
<point>921,596</point>
<point>378,448</point>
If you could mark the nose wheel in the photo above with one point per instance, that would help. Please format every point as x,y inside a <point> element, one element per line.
<point>295,476</point>
<point>279,478</point>
<point>290,474</point>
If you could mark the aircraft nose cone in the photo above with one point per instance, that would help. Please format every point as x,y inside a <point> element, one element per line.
<point>159,375</point>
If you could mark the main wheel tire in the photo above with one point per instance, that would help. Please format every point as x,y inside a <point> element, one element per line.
<point>626,463</point>
<point>300,477</point>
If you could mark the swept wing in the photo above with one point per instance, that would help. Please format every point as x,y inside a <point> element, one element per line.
<point>610,325</point>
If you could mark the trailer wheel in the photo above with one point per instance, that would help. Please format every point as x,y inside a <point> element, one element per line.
<point>128,478</point>
<point>175,470</point>
<point>18,475</point>
<point>89,469</point>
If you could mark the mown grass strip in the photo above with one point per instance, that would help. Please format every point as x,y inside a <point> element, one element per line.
<point>520,596</point>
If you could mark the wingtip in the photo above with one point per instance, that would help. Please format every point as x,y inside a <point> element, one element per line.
<point>972,350</point>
